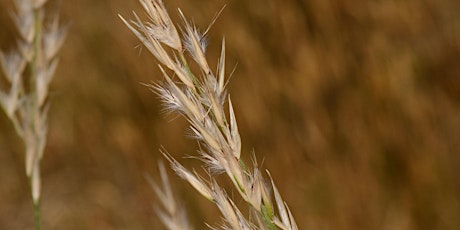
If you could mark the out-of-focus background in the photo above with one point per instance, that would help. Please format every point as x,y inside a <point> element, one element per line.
<point>353,106</point>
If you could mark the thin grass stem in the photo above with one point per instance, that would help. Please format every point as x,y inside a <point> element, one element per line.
<point>37,215</point>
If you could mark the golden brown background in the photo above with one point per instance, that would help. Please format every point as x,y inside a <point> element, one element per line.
<point>352,105</point>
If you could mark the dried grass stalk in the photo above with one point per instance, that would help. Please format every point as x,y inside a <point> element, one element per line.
<point>29,70</point>
<point>200,98</point>
<point>172,215</point>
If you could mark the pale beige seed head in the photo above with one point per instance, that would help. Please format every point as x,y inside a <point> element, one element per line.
<point>192,178</point>
<point>173,215</point>
<point>200,99</point>
<point>225,207</point>
<point>161,27</point>
<point>12,65</point>
<point>53,38</point>
<point>195,43</point>
<point>24,21</point>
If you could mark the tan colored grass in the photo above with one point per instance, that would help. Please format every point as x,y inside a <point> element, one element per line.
<point>201,97</point>
<point>172,215</point>
<point>29,70</point>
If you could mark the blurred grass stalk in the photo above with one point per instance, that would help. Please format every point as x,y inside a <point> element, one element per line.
<point>173,216</point>
<point>200,98</point>
<point>29,70</point>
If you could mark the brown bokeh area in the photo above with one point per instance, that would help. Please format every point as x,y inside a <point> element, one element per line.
<point>353,107</point>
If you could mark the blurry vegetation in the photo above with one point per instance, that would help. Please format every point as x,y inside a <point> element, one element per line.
<point>354,106</point>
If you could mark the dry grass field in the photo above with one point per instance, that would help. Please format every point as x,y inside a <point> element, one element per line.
<point>353,106</point>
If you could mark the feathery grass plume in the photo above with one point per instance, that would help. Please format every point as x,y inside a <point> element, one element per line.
<point>200,98</point>
<point>172,215</point>
<point>29,70</point>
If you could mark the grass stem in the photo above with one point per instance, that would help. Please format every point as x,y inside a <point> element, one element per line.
<point>37,214</point>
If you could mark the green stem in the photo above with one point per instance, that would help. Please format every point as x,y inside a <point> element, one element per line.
<point>189,71</point>
<point>37,215</point>
<point>34,108</point>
